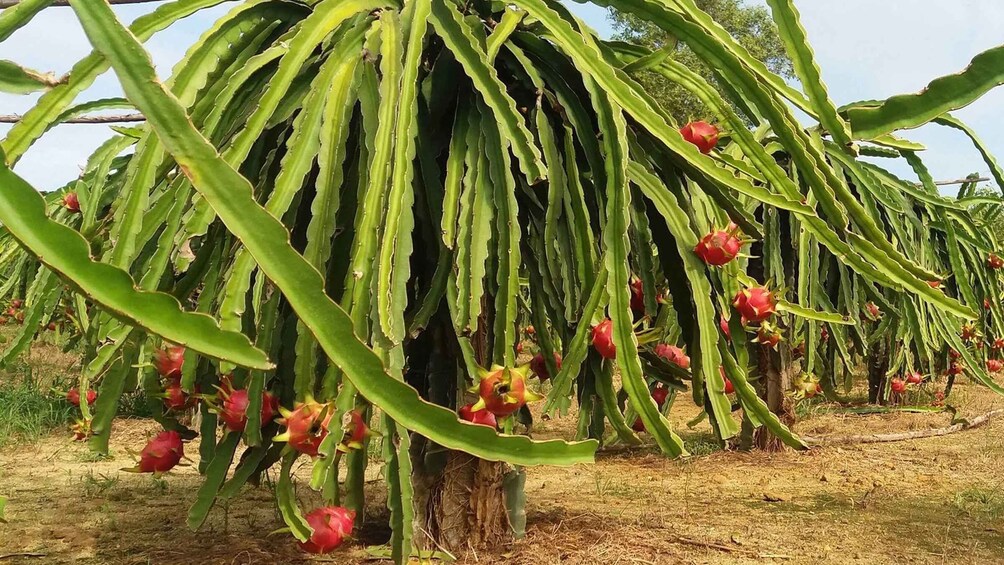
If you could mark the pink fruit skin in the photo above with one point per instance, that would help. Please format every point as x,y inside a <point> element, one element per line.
<point>161,453</point>
<point>175,398</point>
<point>898,386</point>
<point>73,397</point>
<point>603,339</point>
<point>701,134</point>
<point>539,367</point>
<point>481,417</point>
<point>637,298</point>
<point>494,400</point>
<point>719,247</point>
<point>659,394</point>
<point>169,362</point>
<point>71,201</point>
<point>332,525</point>
<point>755,304</point>
<point>673,354</point>
<point>305,430</point>
<point>235,409</point>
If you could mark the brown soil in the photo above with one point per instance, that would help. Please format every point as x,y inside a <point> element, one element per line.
<point>937,500</point>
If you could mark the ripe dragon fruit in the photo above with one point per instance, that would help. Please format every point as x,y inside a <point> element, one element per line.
<point>530,330</point>
<point>603,339</point>
<point>71,202</point>
<point>729,387</point>
<point>986,303</point>
<point>824,334</point>
<point>998,343</point>
<point>306,426</point>
<point>673,354</point>
<point>914,378</point>
<point>73,397</point>
<point>934,284</point>
<point>331,526</point>
<point>175,398</point>
<point>17,303</point>
<point>481,417</point>
<point>234,408</point>
<point>955,369</point>
<point>539,367</point>
<point>161,453</point>
<point>637,298</point>
<point>701,134</point>
<point>953,354</point>
<point>659,394</point>
<point>768,335</point>
<point>939,399</point>
<point>502,390</point>
<point>724,325</point>
<point>169,362</point>
<point>898,386</point>
<point>356,432</point>
<point>755,304</point>
<point>995,262</point>
<point>995,365</point>
<point>719,247</point>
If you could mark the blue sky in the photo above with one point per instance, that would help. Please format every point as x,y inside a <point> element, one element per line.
<point>866,49</point>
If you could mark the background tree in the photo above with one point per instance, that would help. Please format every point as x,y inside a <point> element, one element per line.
<point>751,26</point>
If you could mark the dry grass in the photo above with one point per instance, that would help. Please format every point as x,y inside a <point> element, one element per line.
<point>937,500</point>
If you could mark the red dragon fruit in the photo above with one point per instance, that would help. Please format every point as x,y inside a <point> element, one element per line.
<point>175,398</point>
<point>701,134</point>
<point>234,408</point>
<point>898,386</point>
<point>755,304</point>
<point>986,303</point>
<point>729,387</point>
<point>503,391</point>
<point>356,432</point>
<point>955,369</point>
<point>659,394</point>
<point>603,339</point>
<point>995,262</point>
<point>17,303</point>
<point>824,334</point>
<point>914,378</point>
<point>73,397</point>
<point>306,426</point>
<point>481,417</point>
<point>673,354</point>
<point>539,367</point>
<point>637,298</point>
<point>998,343</point>
<point>71,202</point>
<point>939,399</point>
<point>724,325</point>
<point>161,453</point>
<point>530,330</point>
<point>720,246</point>
<point>934,284</point>
<point>995,365</point>
<point>169,362</point>
<point>331,526</point>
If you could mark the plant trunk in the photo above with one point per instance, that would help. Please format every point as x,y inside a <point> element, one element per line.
<point>878,366</point>
<point>460,500</point>
<point>778,370</point>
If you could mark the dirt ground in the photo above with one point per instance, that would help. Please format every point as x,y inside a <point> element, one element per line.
<point>937,500</point>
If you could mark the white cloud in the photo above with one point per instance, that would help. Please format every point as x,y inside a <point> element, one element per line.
<point>866,49</point>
